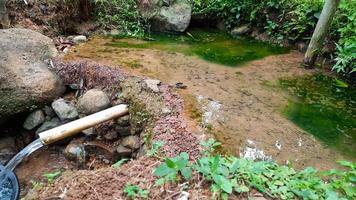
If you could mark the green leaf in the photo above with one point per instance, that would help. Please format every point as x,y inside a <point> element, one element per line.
<point>118,164</point>
<point>186,173</point>
<point>163,170</point>
<point>242,189</point>
<point>340,83</point>
<point>170,163</point>
<point>160,182</point>
<point>223,183</point>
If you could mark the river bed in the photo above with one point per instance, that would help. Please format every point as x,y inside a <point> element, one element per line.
<point>233,90</point>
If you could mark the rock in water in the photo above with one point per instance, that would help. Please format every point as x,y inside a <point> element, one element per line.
<point>80,39</point>
<point>93,101</point>
<point>35,119</point>
<point>64,110</point>
<point>168,16</point>
<point>242,30</point>
<point>25,80</point>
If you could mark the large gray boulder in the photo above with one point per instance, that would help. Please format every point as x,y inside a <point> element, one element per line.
<point>25,80</point>
<point>167,15</point>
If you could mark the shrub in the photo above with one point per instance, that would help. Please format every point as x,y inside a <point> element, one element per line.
<point>123,15</point>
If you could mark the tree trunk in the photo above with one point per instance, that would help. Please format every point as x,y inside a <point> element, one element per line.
<point>320,32</point>
<point>4,20</point>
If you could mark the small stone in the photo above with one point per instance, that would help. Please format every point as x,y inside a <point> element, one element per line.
<point>114,32</point>
<point>80,39</point>
<point>123,151</point>
<point>49,125</point>
<point>7,149</point>
<point>35,119</point>
<point>49,111</point>
<point>242,30</point>
<point>93,101</point>
<point>64,110</point>
<point>89,132</point>
<point>123,121</point>
<point>123,130</point>
<point>131,142</point>
<point>75,152</point>
<point>111,135</point>
<point>152,84</point>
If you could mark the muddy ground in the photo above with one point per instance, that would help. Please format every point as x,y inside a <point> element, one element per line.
<point>251,101</point>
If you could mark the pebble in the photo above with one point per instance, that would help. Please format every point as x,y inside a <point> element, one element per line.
<point>93,101</point>
<point>64,110</point>
<point>35,119</point>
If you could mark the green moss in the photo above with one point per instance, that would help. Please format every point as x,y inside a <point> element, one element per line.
<point>211,45</point>
<point>324,109</point>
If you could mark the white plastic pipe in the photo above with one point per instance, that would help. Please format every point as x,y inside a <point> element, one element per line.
<point>74,127</point>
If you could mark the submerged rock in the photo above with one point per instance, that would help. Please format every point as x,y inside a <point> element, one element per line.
<point>93,101</point>
<point>79,39</point>
<point>25,80</point>
<point>168,16</point>
<point>64,110</point>
<point>35,119</point>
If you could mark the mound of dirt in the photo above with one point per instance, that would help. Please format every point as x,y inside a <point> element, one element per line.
<point>165,123</point>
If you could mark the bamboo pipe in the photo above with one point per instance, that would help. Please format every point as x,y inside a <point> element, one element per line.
<point>71,128</point>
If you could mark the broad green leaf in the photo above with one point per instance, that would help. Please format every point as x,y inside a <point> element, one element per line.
<point>160,182</point>
<point>187,173</point>
<point>170,163</point>
<point>118,164</point>
<point>163,170</point>
<point>223,183</point>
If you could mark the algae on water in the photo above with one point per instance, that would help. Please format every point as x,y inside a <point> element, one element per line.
<point>211,45</point>
<point>324,109</point>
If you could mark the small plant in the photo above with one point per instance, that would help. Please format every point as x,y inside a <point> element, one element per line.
<point>36,184</point>
<point>174,169</point>
<point>228,175</point>
<point>51,176</point>
<point>134,191</point>
<point>156,149</point>
<point>118,164</point>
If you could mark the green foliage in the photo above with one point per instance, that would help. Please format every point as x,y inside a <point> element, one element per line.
<point>229,174</point>
<point>173,169</point>
<point>134,191</point>
<point>123,15</point>
<point>155,149</point>
<point>118,164</point>
<point>294,20</point>
<point>51,176</point>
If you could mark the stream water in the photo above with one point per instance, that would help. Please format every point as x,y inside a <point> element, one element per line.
<point>209,44</point>
<point>234,72</point>
<point>324,107</point>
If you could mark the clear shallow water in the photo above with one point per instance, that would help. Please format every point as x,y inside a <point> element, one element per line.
<point>324,109</point>
<point>211,45</point>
